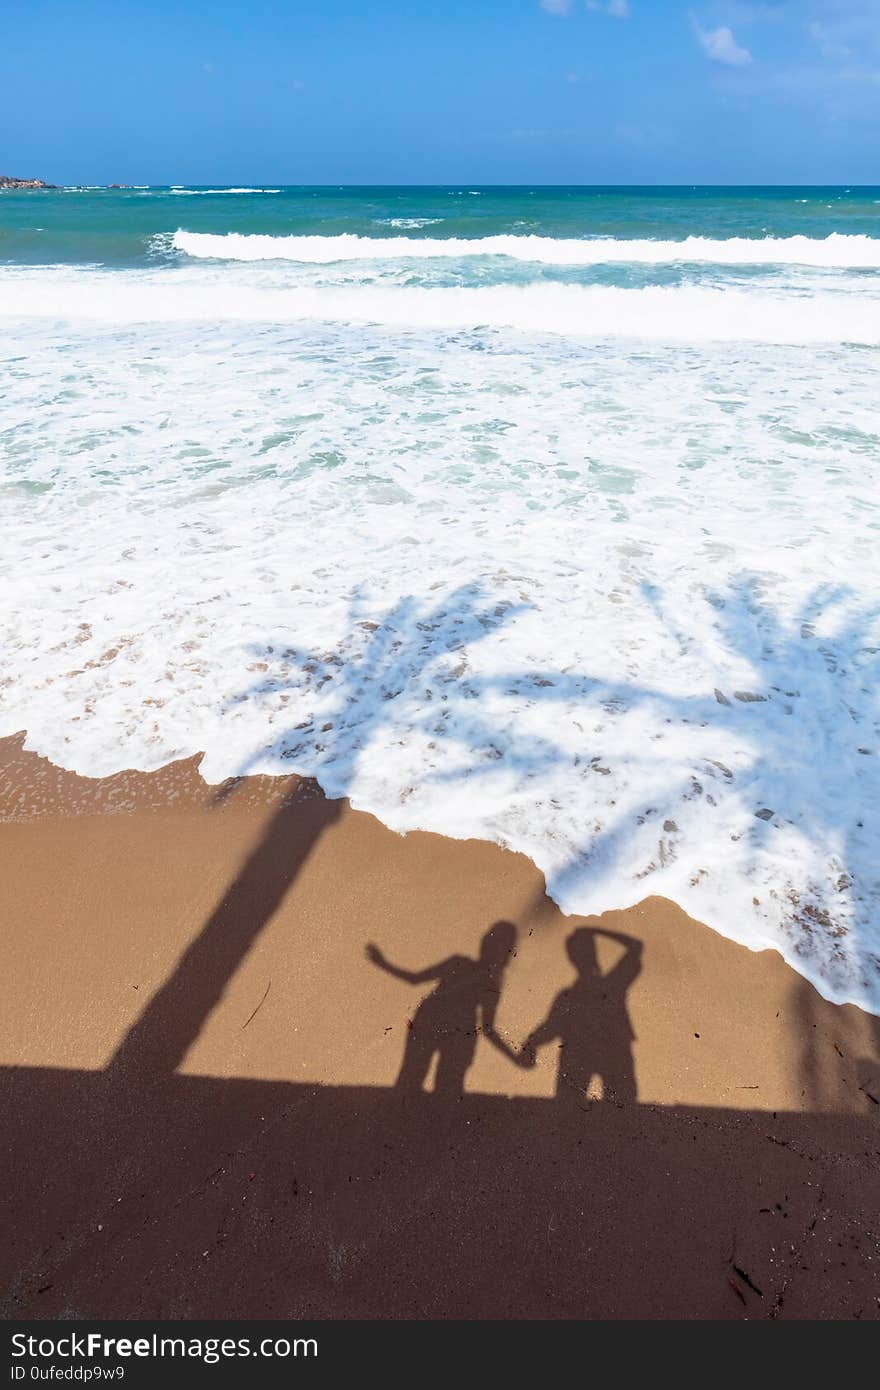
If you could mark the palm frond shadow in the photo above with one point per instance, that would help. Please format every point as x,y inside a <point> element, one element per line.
<point>804,721</point>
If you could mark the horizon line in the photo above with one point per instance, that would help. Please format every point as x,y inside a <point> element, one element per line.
<point>121,187</point>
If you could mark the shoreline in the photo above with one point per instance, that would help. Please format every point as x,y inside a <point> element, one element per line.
<point>133,788</point>
<point>193,1027</point>
<point>39,799</point>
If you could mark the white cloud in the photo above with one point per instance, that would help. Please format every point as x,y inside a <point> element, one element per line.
<point>618,9</point>
<point>720,45</point>
<point>828,45</point>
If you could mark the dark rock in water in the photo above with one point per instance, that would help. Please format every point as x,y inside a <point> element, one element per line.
<point>721,698</point>
<point>7,182</point>
<point>748,696</point>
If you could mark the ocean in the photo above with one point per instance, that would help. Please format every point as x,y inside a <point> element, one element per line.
<point>542,515</point>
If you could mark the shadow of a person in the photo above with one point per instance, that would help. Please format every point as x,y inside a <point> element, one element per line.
<point>591,1022</point>
<point>448,1022</point>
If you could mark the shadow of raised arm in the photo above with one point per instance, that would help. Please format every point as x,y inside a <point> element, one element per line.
<point>412,977</point>
<point>630,964</point>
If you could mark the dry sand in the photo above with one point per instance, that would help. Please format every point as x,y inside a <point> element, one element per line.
<point>199,1063</point>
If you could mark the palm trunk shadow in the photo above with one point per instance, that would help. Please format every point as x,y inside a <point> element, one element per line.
<point>157,1043</point>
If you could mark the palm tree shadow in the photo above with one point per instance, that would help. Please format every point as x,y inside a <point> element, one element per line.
<point>157,1043</point>
<point>363,691</point>
<point>804,723</point>
<point>411,669</point>
<point>814,731</point>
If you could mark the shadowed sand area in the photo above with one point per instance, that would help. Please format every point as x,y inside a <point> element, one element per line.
<point>260,1056</point>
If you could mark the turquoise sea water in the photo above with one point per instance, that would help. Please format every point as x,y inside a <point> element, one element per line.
<point>548,516</point>
<point>117,227</point>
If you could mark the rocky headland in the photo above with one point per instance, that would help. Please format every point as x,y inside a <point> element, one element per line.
<point>7,182</point>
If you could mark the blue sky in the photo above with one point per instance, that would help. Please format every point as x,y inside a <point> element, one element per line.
<point>490,91</point>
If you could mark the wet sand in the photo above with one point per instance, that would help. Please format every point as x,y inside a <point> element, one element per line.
<point>199,1058</point>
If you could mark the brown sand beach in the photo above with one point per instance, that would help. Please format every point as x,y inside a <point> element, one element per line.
<point>262,1057</point>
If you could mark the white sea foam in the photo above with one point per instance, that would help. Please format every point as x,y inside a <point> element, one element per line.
<point>614,604</point>
<point>407,223</point>
<point>670,313</point>
<point>203,192</point>
<point>836,250</point>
